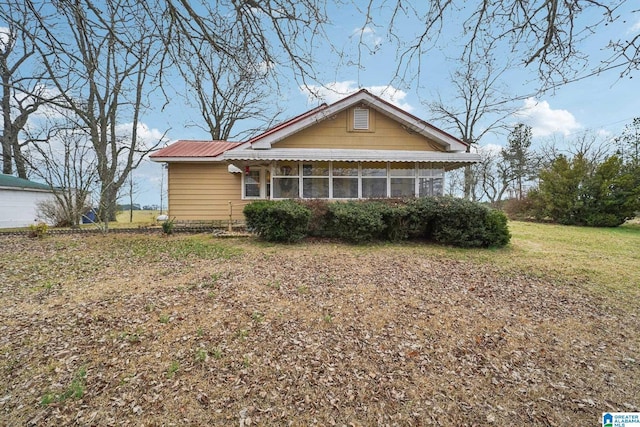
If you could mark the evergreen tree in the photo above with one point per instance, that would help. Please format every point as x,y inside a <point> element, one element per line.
<point>519,157</point>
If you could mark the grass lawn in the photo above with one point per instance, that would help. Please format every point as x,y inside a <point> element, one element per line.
<point>135,218</point>
<point>193,330</point>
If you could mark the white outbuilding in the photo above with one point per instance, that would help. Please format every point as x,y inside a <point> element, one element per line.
<point>19,199</point>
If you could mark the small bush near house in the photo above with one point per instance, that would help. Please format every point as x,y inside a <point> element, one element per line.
<point>38,230</point>
<point>278,221</point>
<point>168,226</point>
<point>356,222</point>
<point>469,224</point>
<point>319,213</point>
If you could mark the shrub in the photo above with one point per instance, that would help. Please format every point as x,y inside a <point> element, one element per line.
<point>319,214</point>
<point>356,222</point>
<point>168,226</point>
<point>405,219</point>
<point>443,219</point>
<point>582,192</point>
<point>520,209</point>
<point>38,230</point>
<point>468,224</point>
<point>278,221</point>
<point>421,216</point>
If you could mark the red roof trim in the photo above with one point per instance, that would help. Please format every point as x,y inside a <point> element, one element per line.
<point>287,123</point>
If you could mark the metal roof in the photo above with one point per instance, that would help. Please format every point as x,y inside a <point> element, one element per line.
<point>193,149</point>
<point>13,182</point>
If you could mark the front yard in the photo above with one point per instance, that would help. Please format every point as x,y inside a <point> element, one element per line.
<point>193,330</point>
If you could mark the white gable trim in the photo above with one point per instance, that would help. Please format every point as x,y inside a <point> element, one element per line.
<point>450,143</point>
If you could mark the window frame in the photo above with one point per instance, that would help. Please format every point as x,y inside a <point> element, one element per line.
<point>261,183</point>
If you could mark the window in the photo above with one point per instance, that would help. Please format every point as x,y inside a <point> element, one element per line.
<point>254,179</point>
<point>315,180</point>
<point>345,180</point>
<point>402,179</point>
<point>430,180</point>
<point>360,119</point>
<point>374,180</point>
<point>252,183</point>
<point>286,180</point>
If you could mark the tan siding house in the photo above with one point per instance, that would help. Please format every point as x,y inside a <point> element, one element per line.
<point>359,147</point>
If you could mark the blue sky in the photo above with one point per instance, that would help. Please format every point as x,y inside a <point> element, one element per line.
<point>603,103</point>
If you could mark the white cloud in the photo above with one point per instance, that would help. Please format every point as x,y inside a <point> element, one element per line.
<point>488,149</point>
<point>148,136</point>
<point>544,120</point>
<point>4,37</point>
<point>335,91</point>
<point>368,37</point>
<point>634,28</point>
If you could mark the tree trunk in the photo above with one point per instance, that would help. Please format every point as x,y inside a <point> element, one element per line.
<point>18,158</point>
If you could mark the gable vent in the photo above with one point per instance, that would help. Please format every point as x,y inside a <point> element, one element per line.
<point>361,119</point>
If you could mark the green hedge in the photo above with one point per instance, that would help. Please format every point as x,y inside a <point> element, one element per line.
<point>446,220</point>
<point>278,221</point>
<point>468,224</point>
<point>355,222</point>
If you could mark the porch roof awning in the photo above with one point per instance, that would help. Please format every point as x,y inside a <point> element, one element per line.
<point>347,155</point>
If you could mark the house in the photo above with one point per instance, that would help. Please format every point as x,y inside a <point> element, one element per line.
<point>19,200</point>
<point>358,147</point>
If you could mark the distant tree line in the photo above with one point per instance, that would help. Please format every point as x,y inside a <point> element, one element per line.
<point>587,182</point>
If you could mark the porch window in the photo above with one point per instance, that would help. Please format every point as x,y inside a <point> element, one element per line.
<point>402,179</point>
<point>430,180</point>
<point>315,180</point>
<point>286,179</point>
<point>345,180</point>
<point>374,180</point>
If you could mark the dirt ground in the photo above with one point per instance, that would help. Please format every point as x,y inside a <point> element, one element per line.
<point>191,330</point>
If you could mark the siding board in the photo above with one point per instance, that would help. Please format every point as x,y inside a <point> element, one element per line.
<point>202,191</point>
<point>332,133</point>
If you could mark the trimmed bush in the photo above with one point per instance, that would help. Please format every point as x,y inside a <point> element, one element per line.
<point>468,224</point>
<point>446,220</point>
<point>421,216</point>
<point>278,221</point>
<point>356,222</point>
<point>319,215</point>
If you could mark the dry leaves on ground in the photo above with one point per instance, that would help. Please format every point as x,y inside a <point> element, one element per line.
<point>188,330</point>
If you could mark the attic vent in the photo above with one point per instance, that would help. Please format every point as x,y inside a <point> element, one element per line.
<point>361,119</point>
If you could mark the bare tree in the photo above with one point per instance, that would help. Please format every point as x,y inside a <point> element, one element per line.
<point>103,59</point>
<point>62,156</point>
<point>587,145</point>
<point>478,107</point>
<point>494,175</point>
<point>546,34</point>
<point>281,33</point>
<point>132,189</point>
<point>231,54</point>
<point>629,143</point>
<point>23,89</point>
<point>226,93</point>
